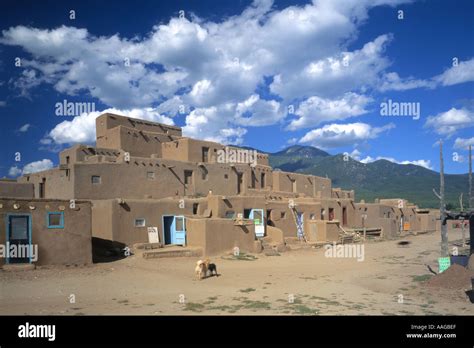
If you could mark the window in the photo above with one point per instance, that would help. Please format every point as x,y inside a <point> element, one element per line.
<point>179,223</point>
<point>283,215</point>
<point>150,175</point>
<point>229,214</point>
<point>55,219</point>
<point>254,179</point>
<point>331,214</point>
<point>95,179</point>
<point>204,173</point>
<point>195,208</point>
<point>226,176</point>
<point>140,222</point>
<point>205,154</point>
<point>311,216</point>
<point>67,159</point>
<point>188,176</point>
<point>262,180</point>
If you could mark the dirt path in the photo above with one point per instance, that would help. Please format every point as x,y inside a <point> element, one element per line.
<point>388,281</point>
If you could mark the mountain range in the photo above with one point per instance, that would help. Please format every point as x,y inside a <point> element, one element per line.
<point>378,179</point>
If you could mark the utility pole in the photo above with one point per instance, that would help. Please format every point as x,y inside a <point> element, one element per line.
<point>471,204</point>
<point>442,206</point>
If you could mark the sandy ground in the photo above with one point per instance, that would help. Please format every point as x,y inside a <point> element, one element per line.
<point>389,281</point>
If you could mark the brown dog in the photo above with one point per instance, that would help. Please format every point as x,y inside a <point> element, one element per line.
<point>200,270</point>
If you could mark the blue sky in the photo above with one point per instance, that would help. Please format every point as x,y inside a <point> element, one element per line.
<point>263,74</point>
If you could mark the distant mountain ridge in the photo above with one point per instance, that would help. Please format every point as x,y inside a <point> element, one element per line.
<point>378,179</point>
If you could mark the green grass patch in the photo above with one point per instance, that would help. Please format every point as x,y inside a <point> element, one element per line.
<point>194,307</point>
<point>240,257</point>
<point>247,290</point>
<point>421,278</point>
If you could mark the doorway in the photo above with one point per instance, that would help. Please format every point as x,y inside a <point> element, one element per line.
<point>19,234</point>
<point>257,216</point>
<point>174,230</point>
<point>239,182</point>
<point>344,216</point>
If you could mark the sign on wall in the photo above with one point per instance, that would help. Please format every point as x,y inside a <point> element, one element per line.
<point>153,235</point>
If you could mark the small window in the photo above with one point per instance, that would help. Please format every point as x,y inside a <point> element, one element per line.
<point>140,222</point>
<point>96,180</point>
<point>150,175</point>
<point>230,214</point>
<point>179,221</point>
<point>311,216</point>
<point>55,220</point>
<point>67,159</point>
<point>205,154</point>
<point>283,214</point>
<point>226,176</point>
<point>188,175</point>
<point>204,173</point>
<point>195,208</point>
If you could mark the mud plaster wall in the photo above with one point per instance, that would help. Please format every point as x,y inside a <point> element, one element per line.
<point>69,245</point>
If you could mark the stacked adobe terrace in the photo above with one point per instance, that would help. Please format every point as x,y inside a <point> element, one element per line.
<point>203,194</point>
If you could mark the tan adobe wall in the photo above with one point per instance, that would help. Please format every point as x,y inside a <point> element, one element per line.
<point>58,184</point>
<point>217,236</point>
<point>192,150</point>
<point>16,189</point>
<point>116,222</point>
<point>136,143</point>
<point>68,245</point>
<point>82,153</point>
<point>168,181</point>
<point>308,185</point>
<point>109,121</point>
<point>322,231</point>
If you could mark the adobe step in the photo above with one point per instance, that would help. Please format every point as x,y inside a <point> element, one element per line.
<point>168,252</point>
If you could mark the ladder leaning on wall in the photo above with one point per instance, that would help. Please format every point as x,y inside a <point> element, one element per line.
<point>298,222</point>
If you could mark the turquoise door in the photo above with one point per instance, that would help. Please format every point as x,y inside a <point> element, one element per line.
<point>19,234</point>
<point>178,230</point>
<point>257,216</point>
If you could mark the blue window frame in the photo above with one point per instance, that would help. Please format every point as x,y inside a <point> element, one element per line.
<point>55,219</point>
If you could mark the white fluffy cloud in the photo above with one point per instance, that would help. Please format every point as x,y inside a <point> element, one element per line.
<point>338,135</point>
<point>461,73</point>
<point>422,163</point>
<point>32,167</point>
<point>449,122</point>
<point>315,110</point>
<point>207,66</point>
<point>462,143</point>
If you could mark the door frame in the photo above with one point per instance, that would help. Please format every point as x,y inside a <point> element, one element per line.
<point>262,222</point>
<point>300,218</point>
<point>7,231</point>
<point>171,231</point>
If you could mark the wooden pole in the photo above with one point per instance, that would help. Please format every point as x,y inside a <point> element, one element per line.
<point>471,203</point>
<point>444,226</point>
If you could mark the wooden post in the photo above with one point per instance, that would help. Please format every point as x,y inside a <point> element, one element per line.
<point>471,203</point>
<point>444,226</point>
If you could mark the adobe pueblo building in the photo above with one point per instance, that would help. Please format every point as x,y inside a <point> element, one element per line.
<point>145,184</point>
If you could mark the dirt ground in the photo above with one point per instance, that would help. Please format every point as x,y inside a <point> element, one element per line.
<point>303,282</point>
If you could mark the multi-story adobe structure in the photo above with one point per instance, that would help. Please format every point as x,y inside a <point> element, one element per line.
<point>144,182</point>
